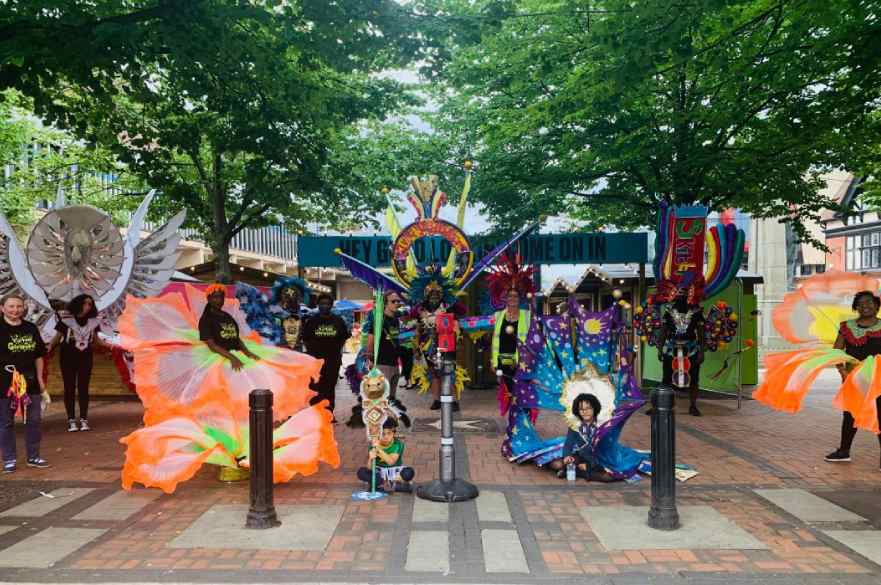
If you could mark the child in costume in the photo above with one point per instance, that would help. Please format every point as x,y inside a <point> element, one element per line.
<point>580,447</point>
<point>388,452</point>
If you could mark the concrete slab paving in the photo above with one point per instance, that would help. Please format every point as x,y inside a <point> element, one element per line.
<point>807,507</point>
<point>428,551</point>
<point>701,527</point>
<point>119,506</point>
<point>493,507</point>
<point>47,547</point>
<point>42,505</point>
<point>428,511</point>
<point>864,542</point>
<point>503,552</point>
<point>303,527</point>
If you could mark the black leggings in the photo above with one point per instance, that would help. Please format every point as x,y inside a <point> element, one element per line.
<point>848,432</point>
<point>76,371</point>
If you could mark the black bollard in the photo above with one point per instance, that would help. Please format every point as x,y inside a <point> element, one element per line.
<point>262,511</point>
<point>663,514</point>
<point>447,488</point>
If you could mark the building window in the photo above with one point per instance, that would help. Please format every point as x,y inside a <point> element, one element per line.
<point>863,252</point>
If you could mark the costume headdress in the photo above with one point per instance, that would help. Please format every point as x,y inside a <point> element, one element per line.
<point>431,279</point>
<point>215,288</point>
<point>283,288</point>
<point>509,273</point>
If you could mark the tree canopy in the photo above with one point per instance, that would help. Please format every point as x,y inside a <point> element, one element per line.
<point>241,115</point>
<point>602,109</point>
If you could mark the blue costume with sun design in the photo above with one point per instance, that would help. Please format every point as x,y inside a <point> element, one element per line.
<point>564,356</point>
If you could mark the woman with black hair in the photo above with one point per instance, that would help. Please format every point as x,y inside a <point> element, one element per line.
<point>581,445</point>
<point>76,332</point>
<point>859,338</point>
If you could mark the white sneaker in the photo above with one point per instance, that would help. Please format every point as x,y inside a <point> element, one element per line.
<point>71,426</point>
<point>84,425</point>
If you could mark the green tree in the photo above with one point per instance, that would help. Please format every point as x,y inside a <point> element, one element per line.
<point>243,131</point>
<point>41,161</point>
<point>602,109</point>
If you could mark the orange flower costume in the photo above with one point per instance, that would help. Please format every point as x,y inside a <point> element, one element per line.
<point>197,405</point>
<point>812,317</point>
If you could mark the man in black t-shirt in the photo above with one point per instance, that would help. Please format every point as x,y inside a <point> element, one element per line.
<point>219,330</point>
<point>21,350</point>
<point>324,336</point>
<point>389,345</point>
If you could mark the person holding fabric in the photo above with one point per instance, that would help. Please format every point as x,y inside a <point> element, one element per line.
<point>77,334</point>
<point>859,338</point>
<point>21,362</point>
<point>219,330</point>
<point>324,336</point>
<point>389,344</point>
<point>511,326</point>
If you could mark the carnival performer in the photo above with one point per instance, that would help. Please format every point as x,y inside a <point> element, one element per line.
<point>324,336</point>
<point>219,330</point>
<point>580,448</point>
<point>681,348</point>
<point>76,331</point>
<point>21,383</point>
<point>433,295</point>
<point>289,293</point>
<point>507,280</point>
<point>859,338</point>
<point>389,343</point>
<point>388,452</point>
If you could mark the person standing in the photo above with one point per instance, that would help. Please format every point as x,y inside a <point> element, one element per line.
<point>77,333</point>
<point>859,338</point>
<point>389,344</point>
<point>21,350</point>
<point>324,335</point>
<point>511,326</point>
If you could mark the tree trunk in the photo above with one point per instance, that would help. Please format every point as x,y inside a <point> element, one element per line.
<point>220,239</point>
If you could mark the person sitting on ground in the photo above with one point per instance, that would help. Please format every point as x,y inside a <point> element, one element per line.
<point>580,446</point>
<point>388,451</point>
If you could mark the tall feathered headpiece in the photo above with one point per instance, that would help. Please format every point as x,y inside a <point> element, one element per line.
<point>507,273</point>
<point>431,278</point>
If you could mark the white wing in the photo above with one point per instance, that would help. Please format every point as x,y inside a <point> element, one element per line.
<point>148,264</point>
<point>15,276</point>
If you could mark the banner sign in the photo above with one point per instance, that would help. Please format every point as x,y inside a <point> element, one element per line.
<point>569,248</point>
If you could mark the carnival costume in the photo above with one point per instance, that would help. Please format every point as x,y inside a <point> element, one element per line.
<point>564,356</point>
<point>812,317</point>
<point>673,320</point>
<point>197,404</point>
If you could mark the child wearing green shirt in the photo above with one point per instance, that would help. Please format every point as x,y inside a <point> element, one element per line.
<point>388,451</point>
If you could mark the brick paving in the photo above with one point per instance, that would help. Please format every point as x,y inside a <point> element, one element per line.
<point>734,452</point>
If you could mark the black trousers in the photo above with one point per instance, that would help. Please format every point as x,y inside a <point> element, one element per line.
<point>848,432</point>
<point>326,384</point>
<point>406,363</point>
<point>76,373</point>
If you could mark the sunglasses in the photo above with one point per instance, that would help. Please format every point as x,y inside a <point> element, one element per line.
<point>395,302</point>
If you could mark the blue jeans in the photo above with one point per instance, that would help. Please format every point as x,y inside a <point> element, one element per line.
<point>32,433</point>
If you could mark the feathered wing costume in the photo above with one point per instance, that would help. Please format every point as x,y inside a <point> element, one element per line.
<point>75,249</point>
<point>197,405</point>
<point>564,356</point>
<point>811,318</point>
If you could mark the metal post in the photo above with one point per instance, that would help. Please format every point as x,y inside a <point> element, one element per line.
<point>262,511</point>
<point>663,514</point>
<point>447,488</point>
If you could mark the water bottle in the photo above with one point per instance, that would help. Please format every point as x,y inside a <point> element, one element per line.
<point>570,472</point>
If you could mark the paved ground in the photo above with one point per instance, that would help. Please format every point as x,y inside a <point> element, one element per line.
<point>763,508</point>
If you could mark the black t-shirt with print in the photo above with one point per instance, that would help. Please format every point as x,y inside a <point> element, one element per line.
<point>221,328</point>
<point>324,335</point>
<point>20,346</point>
<point>389,344</point>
